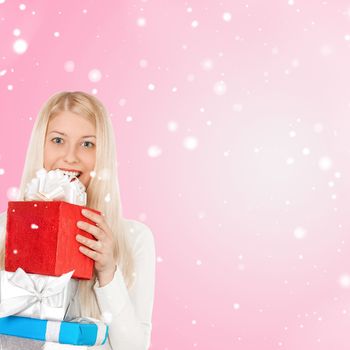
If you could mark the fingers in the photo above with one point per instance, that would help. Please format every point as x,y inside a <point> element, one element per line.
<point>95,231</point>
<point>96,218</point>
<point>90,253</point>
<point>90,243</point>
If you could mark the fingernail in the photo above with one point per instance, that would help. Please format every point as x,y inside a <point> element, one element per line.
<point>84,211</point>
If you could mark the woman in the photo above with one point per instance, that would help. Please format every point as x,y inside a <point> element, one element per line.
<point>73,133</point>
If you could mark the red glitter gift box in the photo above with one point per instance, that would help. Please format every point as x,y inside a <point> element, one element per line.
<point>40,239</point>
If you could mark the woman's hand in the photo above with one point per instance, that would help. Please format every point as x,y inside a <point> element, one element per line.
<point>102,250</point>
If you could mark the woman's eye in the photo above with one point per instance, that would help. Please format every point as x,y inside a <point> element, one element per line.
<point>57,140</point>
<point>88,144</point>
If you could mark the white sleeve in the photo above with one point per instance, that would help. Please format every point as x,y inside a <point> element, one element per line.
<point>130,311</point>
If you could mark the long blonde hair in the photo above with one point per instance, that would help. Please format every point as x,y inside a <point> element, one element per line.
<point>104,183</point>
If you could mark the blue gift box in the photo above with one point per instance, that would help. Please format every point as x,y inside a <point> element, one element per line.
<point>74,333</point>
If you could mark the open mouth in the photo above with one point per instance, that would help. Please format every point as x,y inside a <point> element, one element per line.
<point>71,174</point>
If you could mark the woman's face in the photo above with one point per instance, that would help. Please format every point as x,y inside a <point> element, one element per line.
<point>70,144</point>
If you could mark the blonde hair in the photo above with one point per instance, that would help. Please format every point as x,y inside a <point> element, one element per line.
<point>104,183</point>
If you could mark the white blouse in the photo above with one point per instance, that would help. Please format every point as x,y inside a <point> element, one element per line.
<point>129,311</point>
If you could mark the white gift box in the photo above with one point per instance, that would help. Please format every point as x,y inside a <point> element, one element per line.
<point>36,296</point>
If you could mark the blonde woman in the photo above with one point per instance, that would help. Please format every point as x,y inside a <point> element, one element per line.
<point>73,133</point>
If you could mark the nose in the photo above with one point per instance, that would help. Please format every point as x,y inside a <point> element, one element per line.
<point>71,155</point>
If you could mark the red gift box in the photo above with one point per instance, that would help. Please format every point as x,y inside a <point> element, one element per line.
<point>41,239</point>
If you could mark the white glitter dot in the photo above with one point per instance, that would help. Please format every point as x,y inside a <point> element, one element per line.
<point>94,75</point>
<point>15,251</point>
<point>236,306</point>
<point>344,281</point>
<point>194,322</point>
<point>291,2</point>
<point>198,262</point>
<point>2,1</point>
<point>108,198</point>
<point>69,66</point>
<point>129,118</point>
<point>226,16</point>
<point>299,232</point>
<point>190,142</point>
<point>305,151</point>
<point>337,175</point>
<point>172,126</point>
<point>20,46</point>
<point>94,91</point>
<point>34,226</point>
<point>159,259</point>
<point>190,78</point>
<point>141,22</point>
<point>207,64</point>
<point>325,163</point>
<point>104,174</point>
<point>151,87</point>
<point>22,7</point>
<point>16,32</point>
<point>292,133</point>
<point>347,37</point>
<point>143,63</point>
<point>154,151</point>
<point>189,9</point>
<point>2,171</point>
<point>220,88</point>
<point>3,72</point>
<point>194,24</point>
<point>56,34</point>
<point>330,183</point>
<point>9,87</point>
<point>93,173</point>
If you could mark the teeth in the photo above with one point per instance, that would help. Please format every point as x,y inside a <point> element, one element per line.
<point>70,173</point>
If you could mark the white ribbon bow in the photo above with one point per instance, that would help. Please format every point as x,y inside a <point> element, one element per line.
<point>39,292</point>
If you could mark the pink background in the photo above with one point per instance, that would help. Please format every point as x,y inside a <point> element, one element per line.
<point>232,121</point>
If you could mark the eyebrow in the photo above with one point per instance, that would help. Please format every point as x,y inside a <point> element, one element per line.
<point>63,134</point>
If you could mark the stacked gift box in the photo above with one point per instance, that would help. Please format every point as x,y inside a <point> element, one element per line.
<point>43,263</point>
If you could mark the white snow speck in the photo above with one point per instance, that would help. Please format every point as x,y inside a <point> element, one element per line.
<point>207,64</point>
<point>292,134</point>
<point>337,175</point>
<point>172,126</point>
<point>141,22</point>
<point>226,16</point>
<point>220,88</point>
<point>291,2</point>
<point>15,251</point>
<point>2,171</point>
<point>299,232</point>
<point>190,142</point>
<point>22,7</point>
<point>69,66</point>
<point>194,322</point>
<point>107,317</point>
<point>199,262</point>
<point>92,173</point>
<point>2,1</point>
<point>20,46</point>
<point>325,163</point>
<point>154,151</point>
<point>108,198</point>
<point>236,306</point>
<point>305,151</point>
<point>189,9</point>
<point>56,34</point>
<point>3,72</point>
<point>159,259</point>
<point>151,87</point>
<point>143,63</point>
<point>190,78</point>
<point>344,281</point>
<point>94,75</point>
<point>129,119</point>
<point>16,32</point>
<point>347,37</point>
<point>194,24</point>
<point>34,226</point>
<point>290,161</point>
<point>10,87</point>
